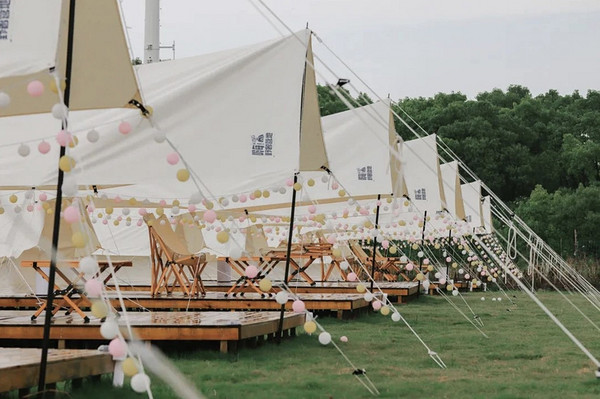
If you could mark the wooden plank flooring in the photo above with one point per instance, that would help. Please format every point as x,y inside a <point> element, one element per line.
<point>149,326</point>
<point>19,367</point>
<point>213,301</point>
<point>396,289</point>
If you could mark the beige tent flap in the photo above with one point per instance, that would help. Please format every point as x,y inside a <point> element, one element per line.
<point>312,145</point>
<point>102,74</point>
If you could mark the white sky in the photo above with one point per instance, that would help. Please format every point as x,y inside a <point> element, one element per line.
<point>407,48</point>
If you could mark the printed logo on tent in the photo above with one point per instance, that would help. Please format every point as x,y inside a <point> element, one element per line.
<point>262,144</point>
<point>421,194</point>
<point>365,173</point>
<point>4,18</point>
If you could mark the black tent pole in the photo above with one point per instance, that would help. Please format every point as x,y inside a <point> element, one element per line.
<point>421,258</point>
<point>57,209</point>
<point>375,242</point>
<point>288,255</point>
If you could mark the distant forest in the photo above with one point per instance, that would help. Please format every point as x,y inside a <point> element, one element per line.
<point>539,154</point>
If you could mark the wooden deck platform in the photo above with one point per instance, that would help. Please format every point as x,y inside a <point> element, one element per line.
<point>224,327</point>
<point>19,367</point>
<point>213,301</point>
<point>401,290</point>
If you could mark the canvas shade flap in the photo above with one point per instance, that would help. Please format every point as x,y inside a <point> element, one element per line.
<point>472,198</point>
<point>66,249</point>
<point>422,174</point>
<point>486,208</point>
<point>452,189</point>
<point>19,230</point>
<point>102,75</point>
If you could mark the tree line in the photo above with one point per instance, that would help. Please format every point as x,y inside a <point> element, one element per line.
<point>540,154</point>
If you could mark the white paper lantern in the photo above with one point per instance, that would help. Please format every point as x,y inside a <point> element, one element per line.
<point>324,338</point>
<point>140,383</point>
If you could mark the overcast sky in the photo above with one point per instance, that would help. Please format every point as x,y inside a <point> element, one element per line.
<point>407,48</point>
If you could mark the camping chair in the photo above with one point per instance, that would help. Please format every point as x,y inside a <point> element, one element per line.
<point>173,264</point>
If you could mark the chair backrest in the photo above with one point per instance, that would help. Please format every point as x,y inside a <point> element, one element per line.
<point>256,241</point>
<point>161,227</point>
<point>190,233</point>
<point>358,250</point>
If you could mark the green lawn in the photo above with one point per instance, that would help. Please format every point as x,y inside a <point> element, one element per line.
<point>526,356</point>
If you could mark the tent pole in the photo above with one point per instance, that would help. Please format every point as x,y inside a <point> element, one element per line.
<point>375,243</point>
<point>448,263</point>
<point>287,257</point>
<point>421,258</point>
<point>57,209</point>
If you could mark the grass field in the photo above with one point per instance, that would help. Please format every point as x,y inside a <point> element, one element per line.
<point>526,356</point>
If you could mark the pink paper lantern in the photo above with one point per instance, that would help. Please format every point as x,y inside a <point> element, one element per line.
<point>243,198</point>
<point>93,288</point>
<point>43,197</point>
<point>251,271</point>
<point>298,306</point>
<point>376,305</point>
<point>385,244</point>
<point>117,348</point>
<point>312,208</point>
<point>71,214</point>
<point>343,338</point>
<point>63,138</point>
<point>209,216</point>
<point>409,266</point>
<point>352,276</point>
<point>44,147</point>
<point>124,127</point>
<point>191,208</point>
<point>142,211</point>
<point>140,222</point>
<point>35,88</point>
<point>289,182</point>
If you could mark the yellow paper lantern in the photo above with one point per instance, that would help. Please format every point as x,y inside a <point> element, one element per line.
<point>99,309</point>
<point>132,201</point>
<point>222,237</point>
<point>310,327</point>
<point>265,284</point>
<point>13,198</point>
<point>183,175</point>
<point>310,182</point>
<point>74,141</point>
<point>360,287</point>
<point>415,246</point>
<point>385,310</point>
<point>297,186</point>
<point>66,163</point>
<point>54,88</point>
<point>449,287</point>
<point>109,210</point>
<point>420,277</point>
<point>257,194</point>
<point>130,367</point>
<point>393,249</point>
<point>336,252</point>
<point>1,210</point>
<point>209,205</point>
<point>342,193</point>
<point>266,193</point>
<point>429,268</point>
<point>160,211</point>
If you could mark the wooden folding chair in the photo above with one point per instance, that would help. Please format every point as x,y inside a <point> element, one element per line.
<point>174,266</point>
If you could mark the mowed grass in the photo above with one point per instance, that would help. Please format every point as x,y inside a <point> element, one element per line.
<point>526,356</point>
